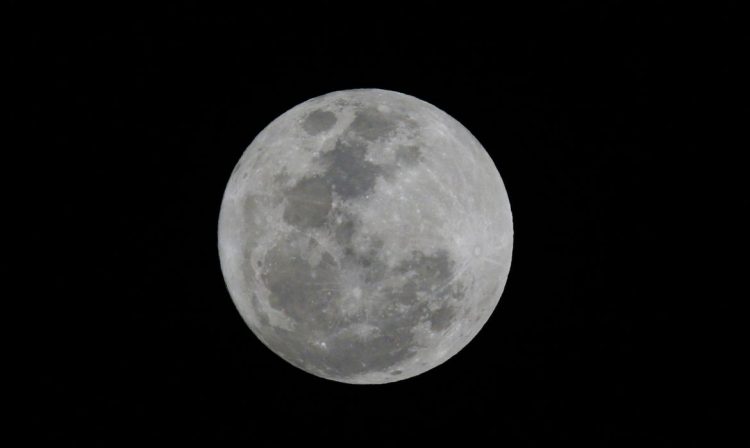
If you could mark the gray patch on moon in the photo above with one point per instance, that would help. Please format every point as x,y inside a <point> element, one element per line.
<point>349,173</point>
<point>371,124</point>
<point>408,155</point>
<point>308,203</point>
<point>344,232</point>
<point>299,290</point>
<point>281,178</point>
<point>344,227</point>
<point>342,346</point>
<point>441,318</point>
<point>319,121</point>
<point>429,269</point>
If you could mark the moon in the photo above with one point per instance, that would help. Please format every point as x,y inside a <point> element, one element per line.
<point>365,236</point>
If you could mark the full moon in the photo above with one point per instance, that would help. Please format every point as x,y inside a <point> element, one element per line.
<point>365,236</point>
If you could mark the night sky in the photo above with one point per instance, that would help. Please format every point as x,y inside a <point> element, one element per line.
<point>139,115</point>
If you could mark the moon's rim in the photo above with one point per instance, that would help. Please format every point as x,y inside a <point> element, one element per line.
<point>384,92</point>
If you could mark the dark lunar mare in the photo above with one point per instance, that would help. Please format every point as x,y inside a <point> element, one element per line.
<point>319,121</point>
<point>348,172</point>
<point>308,202</point>
<point>310,296</point>
<point>371,124</point>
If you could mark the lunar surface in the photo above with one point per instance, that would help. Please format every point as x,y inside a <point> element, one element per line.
<point>365,236</point>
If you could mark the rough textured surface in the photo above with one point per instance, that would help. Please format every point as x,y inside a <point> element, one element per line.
<point>365,236</point>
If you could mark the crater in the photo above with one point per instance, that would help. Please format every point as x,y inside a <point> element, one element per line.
<point>319,121</point>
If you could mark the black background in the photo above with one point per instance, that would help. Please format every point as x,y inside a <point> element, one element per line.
<point>139,115</point>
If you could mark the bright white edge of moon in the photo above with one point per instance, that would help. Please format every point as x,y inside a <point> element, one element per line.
<point>365,236</point>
